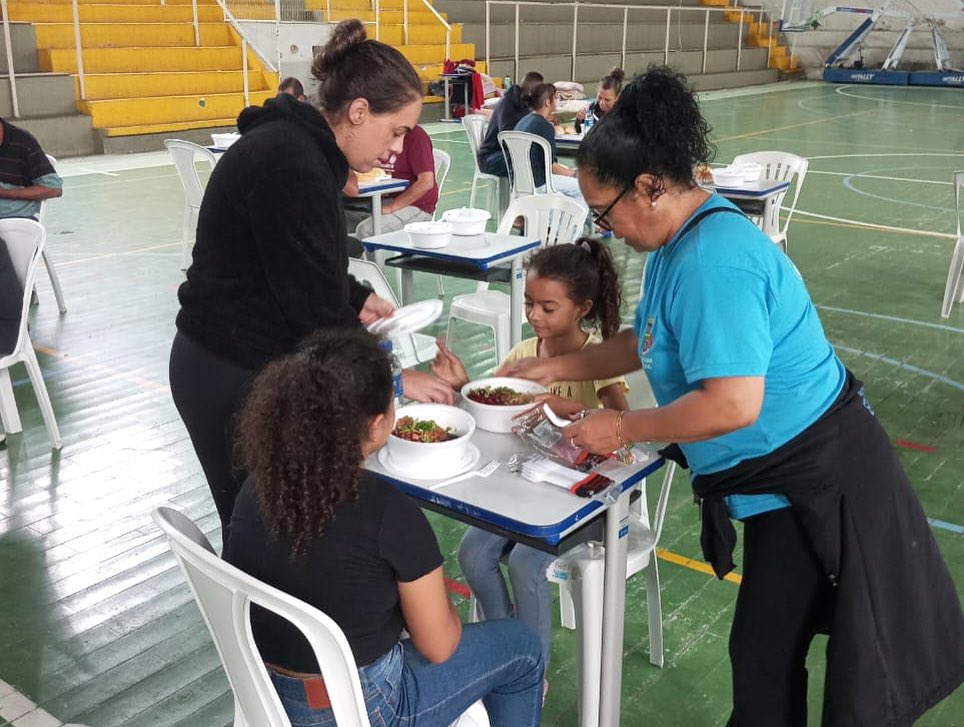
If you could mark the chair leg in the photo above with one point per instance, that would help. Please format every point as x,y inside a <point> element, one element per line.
<point>954,288</point>
<point>43,398</point>
<point>9,414</point>
<point>655,607</point>
<point>503,338</point>
<point>54,281</point>
<point>475,184</point>
<point>186,237</point>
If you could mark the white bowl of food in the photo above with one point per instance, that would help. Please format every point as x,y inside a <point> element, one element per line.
<point>466,220</point>
<point>751,171</point>
<point>727,177</point>
<point>223,141</point>
<point>493,402</point>
<point>429,235</point>
<point>433,438</point>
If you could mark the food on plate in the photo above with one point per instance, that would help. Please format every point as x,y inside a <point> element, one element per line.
<point>372,176</point>
<point>499,396</point>
<point>426,431</point>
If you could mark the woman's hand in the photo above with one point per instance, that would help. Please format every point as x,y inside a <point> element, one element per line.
<point>596,431</point>
<point>374,309</point>
<point>424,387</point>
<point>568,408</point>
<point>535,369</point>
<point>581,115</point>
<point>447,367</point>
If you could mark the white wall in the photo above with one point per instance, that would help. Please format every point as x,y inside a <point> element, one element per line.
<point>813,47</point>
<point>298,42</point>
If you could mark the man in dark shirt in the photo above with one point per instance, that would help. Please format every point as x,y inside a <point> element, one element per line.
<point>513,106</point>
<point>26,176</point>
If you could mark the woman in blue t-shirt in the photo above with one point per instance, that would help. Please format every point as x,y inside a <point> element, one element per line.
<point>775,430</point>
<point>312,522</point>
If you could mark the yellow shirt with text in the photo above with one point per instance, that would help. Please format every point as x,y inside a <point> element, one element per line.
<point>585,392</point>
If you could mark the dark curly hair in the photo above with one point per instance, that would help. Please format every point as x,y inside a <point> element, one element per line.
<point>655,127</point>
<point>587,270</point>
<point>301,429</point>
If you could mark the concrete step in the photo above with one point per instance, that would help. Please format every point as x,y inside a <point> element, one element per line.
<point>117,35</point>
<point>23,46</point>
<point>388,17</point>
<point>422,54</point>
<point>601,38</point>
<point>129,112</point>
<point>38,94</point>
<point>64,136</point>
<point>48,12</point>
<point>100,86</point>
<point>473,11</point>
<point>132,140</point>
<point>419,34</point>
<point>134,60</point>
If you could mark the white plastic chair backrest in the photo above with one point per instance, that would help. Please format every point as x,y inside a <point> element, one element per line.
<point>43,205</point>
<point>779,166</point>
<point>184,154</point>
<point>224,595</point>
<point>25,239</point>
<point>516,146</point>
<point>958,189</point>
<point>554,218</point>
<point>365,271</point>
<point>475,127</point>
<point>443,162</point>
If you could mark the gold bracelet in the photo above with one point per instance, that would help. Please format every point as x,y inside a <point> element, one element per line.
<point>619,430</point>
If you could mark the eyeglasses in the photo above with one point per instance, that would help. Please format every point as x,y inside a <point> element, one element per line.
<point>601,219</point>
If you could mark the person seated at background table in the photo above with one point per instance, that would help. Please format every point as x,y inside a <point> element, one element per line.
<point>568,288</point>
<point>312,522</point>
<point>515,104</point>
<point>27,177</point>
<point>777,432</point>
<point>293,87</point>
<point>606,95</point>
<point>415,164</point>
<point>540,122</point>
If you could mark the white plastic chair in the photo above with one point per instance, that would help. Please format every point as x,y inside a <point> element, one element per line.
<point>48,261</point>
<point>443,162</point>
<point>184,154</point>
<point>25,240</point>
<point>516,146</point>
<point>580,573</point>
<point>555,219</point>
<point>954,288</point>
<point>778,166</point>
<point>224,595</point>
<point>475,127</point>
<point>411,349</point>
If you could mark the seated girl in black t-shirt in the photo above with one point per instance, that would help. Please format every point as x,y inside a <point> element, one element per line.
<point>313,523</point>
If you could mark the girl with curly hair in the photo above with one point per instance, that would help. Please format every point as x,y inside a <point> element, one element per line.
<point>569,290</point>
<point>310,521</point>
<point>776,431</point>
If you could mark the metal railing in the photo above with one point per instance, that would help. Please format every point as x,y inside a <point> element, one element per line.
<point>669,10</point>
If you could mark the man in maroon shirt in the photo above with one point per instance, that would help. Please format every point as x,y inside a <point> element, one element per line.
<point>416,164</point>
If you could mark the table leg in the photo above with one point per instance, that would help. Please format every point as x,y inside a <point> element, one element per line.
<point>407,286</point>
<point>378,255</point>
<point>516,299</point>
<point>446,109</point>
<point>614,605</point>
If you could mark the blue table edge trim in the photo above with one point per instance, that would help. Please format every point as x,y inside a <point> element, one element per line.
<point>482,263</point>
<point>750,192</point>
<point>549,533</point>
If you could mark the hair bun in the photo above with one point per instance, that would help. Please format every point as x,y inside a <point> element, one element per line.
<point>345,37</point>
<point>617,74</point>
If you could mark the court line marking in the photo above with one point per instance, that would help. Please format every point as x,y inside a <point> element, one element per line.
<point>861,175</point>
<point>92,258</point>
<point>895,319</point>
<point>890,154</point>
<point>874,226</point>
<point>695,565</point>
<point>848,182</point>
<point>793,126</point>
<point>842,91</point>
<point>902,365</point>
<point>944,525</point>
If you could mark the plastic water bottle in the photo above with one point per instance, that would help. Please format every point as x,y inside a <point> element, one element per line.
<point>588,122</point>
<point>506,83</point>
<point>386,345</point>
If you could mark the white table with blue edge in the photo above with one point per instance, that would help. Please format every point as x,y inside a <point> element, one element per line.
<point>480,252</point>
<point>552,519</point>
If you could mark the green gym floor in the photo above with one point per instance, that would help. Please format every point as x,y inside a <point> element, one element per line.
<point>96,624</point>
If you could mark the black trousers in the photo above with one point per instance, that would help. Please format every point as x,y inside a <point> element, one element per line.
<point>207,392</point>
<point>784,600</point>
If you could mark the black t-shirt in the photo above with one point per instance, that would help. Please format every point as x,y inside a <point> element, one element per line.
<point>350,573</point>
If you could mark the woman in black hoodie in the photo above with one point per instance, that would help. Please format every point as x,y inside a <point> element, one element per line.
<point>270,263</point>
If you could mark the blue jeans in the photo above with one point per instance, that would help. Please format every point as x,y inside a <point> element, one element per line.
<point>480,553</point>
<point>498,662</point>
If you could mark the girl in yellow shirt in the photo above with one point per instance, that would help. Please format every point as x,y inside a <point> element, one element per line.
<point>568,288</point>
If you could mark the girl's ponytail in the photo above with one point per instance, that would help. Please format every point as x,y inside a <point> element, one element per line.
<point>608,299</point>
